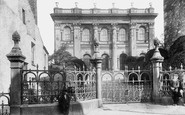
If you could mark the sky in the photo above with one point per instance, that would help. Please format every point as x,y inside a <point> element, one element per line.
<point>46,25</point>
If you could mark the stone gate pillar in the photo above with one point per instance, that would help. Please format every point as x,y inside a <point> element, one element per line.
<point>156,59</point>
<point>97,63</point>
<point>16,62</point>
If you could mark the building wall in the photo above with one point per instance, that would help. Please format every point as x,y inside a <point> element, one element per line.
<point>11,21</point>
<point>95,20</point>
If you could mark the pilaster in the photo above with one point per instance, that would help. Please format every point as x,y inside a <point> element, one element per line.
<point>151,36</point>
<point>133,47</point>
<point>114,47</point>
<point>76,39</point>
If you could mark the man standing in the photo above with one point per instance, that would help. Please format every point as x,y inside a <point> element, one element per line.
<point>64,102</point>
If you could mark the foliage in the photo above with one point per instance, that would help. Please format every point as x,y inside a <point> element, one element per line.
<point>62,58</point>
<point>174,16</point>
<point>177,52</point>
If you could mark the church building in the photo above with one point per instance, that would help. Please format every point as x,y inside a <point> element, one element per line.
<point>119,33</point>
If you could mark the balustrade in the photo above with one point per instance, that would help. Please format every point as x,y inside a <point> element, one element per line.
<point>100,11</point>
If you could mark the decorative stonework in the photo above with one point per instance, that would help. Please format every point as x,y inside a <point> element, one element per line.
<point>57,24</point>
<point>151,24</point>
<point>16,53</point>
<point>157,56</point>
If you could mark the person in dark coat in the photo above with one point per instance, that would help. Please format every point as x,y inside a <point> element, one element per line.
<point>64,102</point>
<point>177,90</point>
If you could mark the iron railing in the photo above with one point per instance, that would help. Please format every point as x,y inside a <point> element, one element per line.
<point>167,77</point>
<point>43,86</point>
<point>5,104</point>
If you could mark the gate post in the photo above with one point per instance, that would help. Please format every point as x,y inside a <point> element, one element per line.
<point>16,62</point>
<point>157,60</point>
<point>97,63</point>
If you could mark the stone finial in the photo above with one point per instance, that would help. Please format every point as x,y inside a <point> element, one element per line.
<point>96,54</point>
<point>150,4</point>
<point>94,5</point>
<point>16,52</point>
<point>132,4</point>
<point>57,3</point>
<point>157,55</point>
<point>113,5</point>
<point>76,4</point>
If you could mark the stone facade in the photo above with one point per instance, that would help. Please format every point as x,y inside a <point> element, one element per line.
<point>117,31</point>
<point>17,15</point>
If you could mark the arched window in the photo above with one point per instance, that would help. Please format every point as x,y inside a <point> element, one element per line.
<point>104,35</point>
<point>141,33</point>
<point>122,35</point>
<point>86,59</point>
<point>105,62</point>
<point>123,58</point>
<point>86,35</point>
<point>67,34</point>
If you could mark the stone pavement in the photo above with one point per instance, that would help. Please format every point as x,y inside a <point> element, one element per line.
<point>139,109</point>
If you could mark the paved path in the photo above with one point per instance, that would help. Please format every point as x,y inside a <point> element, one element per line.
<point>138,109</point>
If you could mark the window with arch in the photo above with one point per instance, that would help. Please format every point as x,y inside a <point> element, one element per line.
<point>141,34</point>
<point>67,34</point>
<point>86,59</point>
<point>104,35</point>
<point>85,35</point>
<point>123,58</point>
<point>122,35</point>
<point>105,62</point>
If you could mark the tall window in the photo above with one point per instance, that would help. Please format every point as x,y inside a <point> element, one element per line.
<point>85,35</point>
<point>104,35</point>
<point>122,35</point>
<point>87,58</point>
<point>123,58</point>
<point>23,16</point>
<point>32,53</point>
<point>105,62</point>
<point>67,34</point>
<point>141,34</point>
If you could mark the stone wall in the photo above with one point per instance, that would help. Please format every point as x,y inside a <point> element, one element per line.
<point>77,108</point>
<point>11,21</point>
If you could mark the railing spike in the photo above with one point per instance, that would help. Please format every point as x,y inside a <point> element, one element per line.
<point>181,66</point>
<point>37,66</point>
<point>170,68</point>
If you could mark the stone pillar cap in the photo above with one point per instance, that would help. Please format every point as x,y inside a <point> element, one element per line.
<point>156,56</point>
<point>16,53</point>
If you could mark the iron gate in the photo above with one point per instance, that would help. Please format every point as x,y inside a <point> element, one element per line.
<point>123,87</point>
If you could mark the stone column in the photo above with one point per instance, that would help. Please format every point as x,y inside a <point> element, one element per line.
<point>114,47</point>
<point>96,35</point>
<point>97,63</point>
<point>151,36</point>
<point>16,63</point>
<point>77,40</point>
<point>58,36</point>
<point>156,59</point>
<point>133,47</point>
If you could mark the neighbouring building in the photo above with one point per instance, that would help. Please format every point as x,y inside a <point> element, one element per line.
<point>119,32</point>
<point>20,16</point>
<point>174,21</point>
